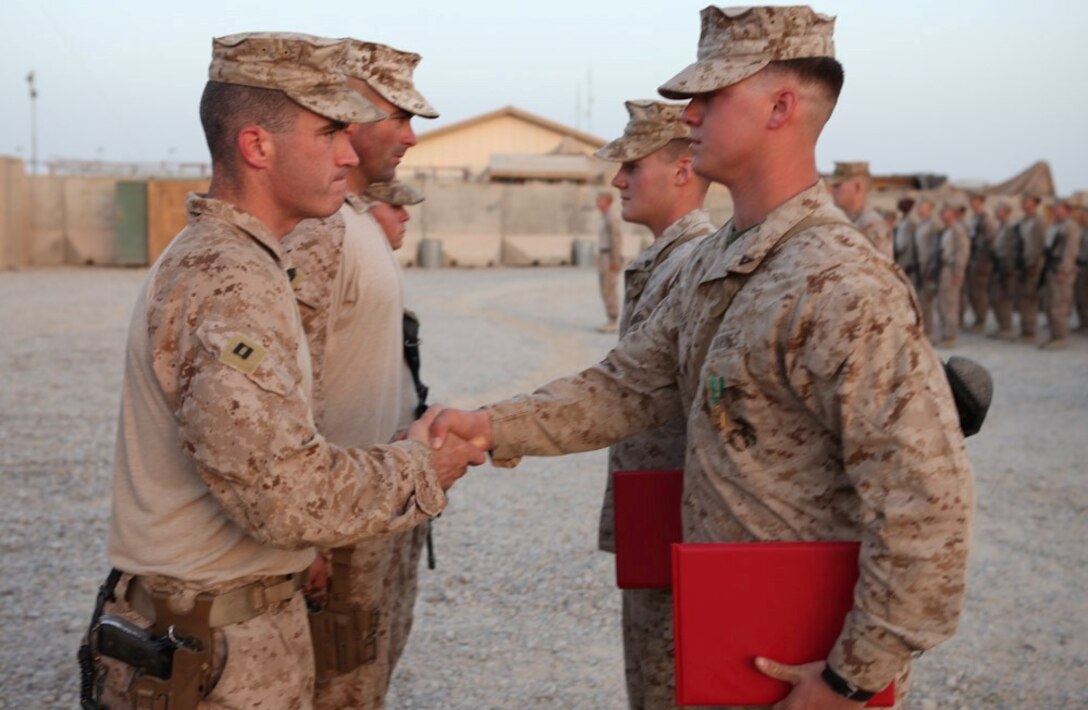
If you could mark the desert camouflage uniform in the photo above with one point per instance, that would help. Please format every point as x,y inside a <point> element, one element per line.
<point>982,229</point>
<point>218,363</point>
<point>647,613</point>
<point>355,273</point>
<point>1030,241</point>
<point>874,226</point>
<point>609,259</point>
<point>1006,289</point>
<point>820,412</point>
<point>927,237</point>
<point>906,250</point>
<point>1061,271</point>
<point>1080,290</point>
<point>953,253</point>
<point>361,379</point>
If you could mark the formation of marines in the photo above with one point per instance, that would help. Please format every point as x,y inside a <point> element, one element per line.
<point>969,260</point>
<point>276,463</point>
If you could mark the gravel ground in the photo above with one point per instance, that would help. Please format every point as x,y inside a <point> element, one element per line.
<point>522,611</point>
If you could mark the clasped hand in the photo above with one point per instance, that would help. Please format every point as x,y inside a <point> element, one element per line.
<point>453,452</point>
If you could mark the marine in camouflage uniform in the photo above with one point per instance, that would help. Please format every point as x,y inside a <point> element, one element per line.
<point>927,237</point>
<point>355,328</point>
<point>815,407</point>
<point>1005,282</point>
<point>1062,248</point>
<point>850,184</point>
<point>1080,288</point>
<point>609,261</point>
<point>219,467</point>
<point>660,190</point>
<point>982,229</point>
<point>1030,233</point>
<point>953,252</point>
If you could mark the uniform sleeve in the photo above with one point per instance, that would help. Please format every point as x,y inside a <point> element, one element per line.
<point>632,390</point>
<point>245,419</point>
<point>879,386</point>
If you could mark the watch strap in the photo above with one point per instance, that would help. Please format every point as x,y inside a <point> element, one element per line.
<point>843,687</point>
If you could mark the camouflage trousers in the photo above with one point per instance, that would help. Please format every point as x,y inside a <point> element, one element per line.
<point>1004,301</point>
<point>979,278</point>
<point>610,287</point>
<point>949,291</point>
<point>927,297</point>
<point>648,649</point>
<point>266,661</point>
<point>1029,301</point>
<point>384,577</point>
<point>1059,306</point>
<point>1080,297</point>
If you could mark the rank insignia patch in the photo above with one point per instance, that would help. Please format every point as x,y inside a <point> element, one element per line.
<point>243,354</point>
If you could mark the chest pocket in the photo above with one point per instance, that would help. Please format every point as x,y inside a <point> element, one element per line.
<point>727,393</point>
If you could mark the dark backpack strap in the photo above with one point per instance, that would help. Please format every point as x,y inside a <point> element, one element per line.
<point>411,357</point>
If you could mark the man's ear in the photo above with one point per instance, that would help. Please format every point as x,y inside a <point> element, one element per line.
<point>783,108</point>
<point>683,172</point>
<point>255,146</point>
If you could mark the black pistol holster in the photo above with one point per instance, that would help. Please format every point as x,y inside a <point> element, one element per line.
<point>345,636</point>
<point>172,660</point>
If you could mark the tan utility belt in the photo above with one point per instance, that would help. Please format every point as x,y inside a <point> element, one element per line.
<point>231,607</point>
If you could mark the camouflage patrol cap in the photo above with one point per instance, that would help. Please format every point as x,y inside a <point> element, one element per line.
<point>304,67</point>
<point>389,72</point>
<point>394,193</point>
<point>651,126</point>
<point>845,171</point>
<point>737,42</point>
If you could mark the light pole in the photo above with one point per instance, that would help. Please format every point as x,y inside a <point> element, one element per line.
<point>33,123</point>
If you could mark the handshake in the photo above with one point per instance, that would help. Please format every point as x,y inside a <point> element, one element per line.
<point>457,439</point>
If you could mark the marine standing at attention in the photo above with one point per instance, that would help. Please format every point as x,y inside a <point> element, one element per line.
<point>816,409</point>
<point>660,190</point>
<point>354,316</point>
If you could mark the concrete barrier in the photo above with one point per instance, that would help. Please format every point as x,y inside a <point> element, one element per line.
<point>15,214</point>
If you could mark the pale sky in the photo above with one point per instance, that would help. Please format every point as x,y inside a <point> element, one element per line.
<point>973,89</point>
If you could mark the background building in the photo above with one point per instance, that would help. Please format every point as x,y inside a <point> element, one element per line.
<point>507,145</point>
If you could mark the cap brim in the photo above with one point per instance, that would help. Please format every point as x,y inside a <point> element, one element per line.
<point>627,149</point>
<point>406,99</point>
<point>708,75</point>
<point>420,106</point>
<point>339,104</point>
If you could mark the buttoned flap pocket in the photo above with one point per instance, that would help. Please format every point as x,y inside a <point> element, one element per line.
<point>728,392</point>
<point>248,355</point>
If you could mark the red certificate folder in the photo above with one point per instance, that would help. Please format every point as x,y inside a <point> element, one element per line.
<point>733,602</point>
<point>647,507</point>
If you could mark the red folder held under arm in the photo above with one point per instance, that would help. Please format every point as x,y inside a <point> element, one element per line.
<point>733,602</point>
<point>647,515</point>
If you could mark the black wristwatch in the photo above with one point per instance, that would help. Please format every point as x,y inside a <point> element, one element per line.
<point>844,687</point>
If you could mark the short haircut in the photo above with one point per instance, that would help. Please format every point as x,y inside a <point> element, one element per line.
<point>227,108</point>
<point>675,149</point>
<point>824,72</point>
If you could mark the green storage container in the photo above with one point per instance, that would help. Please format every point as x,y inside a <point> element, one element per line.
<point>131,244</point>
